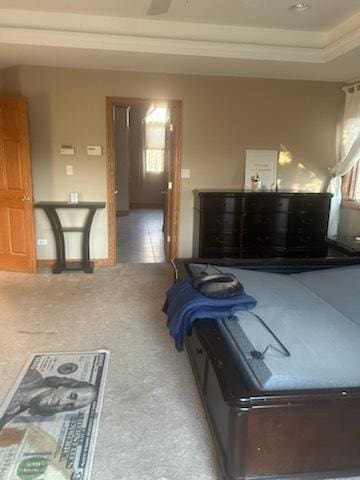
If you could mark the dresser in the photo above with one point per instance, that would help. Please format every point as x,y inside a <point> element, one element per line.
<point>235,223</point>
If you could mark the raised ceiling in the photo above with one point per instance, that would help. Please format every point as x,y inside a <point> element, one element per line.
<point>229,37</point>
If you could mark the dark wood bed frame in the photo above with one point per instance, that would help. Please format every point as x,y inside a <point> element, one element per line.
<point>298,434</point>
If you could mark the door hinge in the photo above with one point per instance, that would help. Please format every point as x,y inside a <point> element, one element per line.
<point>168,239</point>
<point>169,185</point>
<point>171,127</point>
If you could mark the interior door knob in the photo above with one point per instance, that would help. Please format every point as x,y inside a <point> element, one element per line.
<point>116,192</point>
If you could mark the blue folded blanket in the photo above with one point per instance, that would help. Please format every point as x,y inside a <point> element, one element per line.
<point>184,304</point>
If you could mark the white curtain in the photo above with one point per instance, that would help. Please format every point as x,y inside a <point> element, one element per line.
<point>350,154</point>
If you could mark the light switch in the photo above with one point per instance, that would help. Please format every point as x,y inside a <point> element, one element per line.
<point>69,170</point>
<point>185,173</point>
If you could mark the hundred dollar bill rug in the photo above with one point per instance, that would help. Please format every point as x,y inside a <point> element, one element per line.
<point>49,420</point>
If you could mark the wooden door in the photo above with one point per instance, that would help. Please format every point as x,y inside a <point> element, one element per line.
<point>168,184</point>
<point>17,246</point>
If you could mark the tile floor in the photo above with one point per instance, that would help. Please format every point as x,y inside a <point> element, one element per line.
<point>140,238</point>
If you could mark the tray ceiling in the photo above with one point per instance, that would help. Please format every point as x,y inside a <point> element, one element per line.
<point>323,15</point>
<point>232,37</point>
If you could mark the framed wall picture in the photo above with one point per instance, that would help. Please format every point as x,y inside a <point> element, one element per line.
<point>261,165</point>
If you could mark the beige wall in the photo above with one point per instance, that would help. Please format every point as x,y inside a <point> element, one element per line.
<point>222,118</point>
<point>10,81</point>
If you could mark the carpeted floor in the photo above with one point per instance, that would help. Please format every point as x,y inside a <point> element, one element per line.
<point>152,425</point>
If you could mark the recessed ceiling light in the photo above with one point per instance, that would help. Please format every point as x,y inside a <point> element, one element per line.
<point>300,7</point>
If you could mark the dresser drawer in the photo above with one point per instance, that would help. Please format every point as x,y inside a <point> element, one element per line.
<point>265,221</point>
<point>310,204</point>
<point>263,252</point>
<point>226,203</point>
<point>221,222</point>
<point>261,239</point>
<point>310,252</point>
<point>309,221</point>
<point>306,239</point>
<point>197,353</point>
<point>220,252</point>
<point>221,239</point>
<point>264,203</point>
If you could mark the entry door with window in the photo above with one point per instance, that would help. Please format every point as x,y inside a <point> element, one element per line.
<point>17,246</point>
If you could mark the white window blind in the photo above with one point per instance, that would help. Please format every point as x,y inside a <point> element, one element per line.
<point>155,138</point>
<point>154,160</point>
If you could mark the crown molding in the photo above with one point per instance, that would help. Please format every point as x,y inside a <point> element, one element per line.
<point>343,29</point>
<point>159,29</point>
<point>126,43</point>
<point>342,45</point>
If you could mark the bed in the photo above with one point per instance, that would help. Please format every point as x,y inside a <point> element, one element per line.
<point>281,385</point>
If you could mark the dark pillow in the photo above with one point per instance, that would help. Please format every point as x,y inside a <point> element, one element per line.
<point>218,286</point>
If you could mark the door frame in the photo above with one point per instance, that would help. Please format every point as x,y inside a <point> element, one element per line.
<point>112,102</point>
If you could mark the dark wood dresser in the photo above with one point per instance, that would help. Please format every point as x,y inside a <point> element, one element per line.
<point>241,224</point>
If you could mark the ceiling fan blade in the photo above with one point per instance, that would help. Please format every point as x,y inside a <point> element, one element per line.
<point>157,7</point>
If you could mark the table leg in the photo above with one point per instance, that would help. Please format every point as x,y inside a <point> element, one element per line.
<point>59,239</point>
<point>88,266</point>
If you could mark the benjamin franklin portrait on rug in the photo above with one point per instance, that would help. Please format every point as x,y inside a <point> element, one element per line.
<point>47,396</point>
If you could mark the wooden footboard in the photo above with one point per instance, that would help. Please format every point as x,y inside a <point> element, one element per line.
<point>307,434</point>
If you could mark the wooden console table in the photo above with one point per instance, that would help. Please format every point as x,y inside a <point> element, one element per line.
<point>50,208</point>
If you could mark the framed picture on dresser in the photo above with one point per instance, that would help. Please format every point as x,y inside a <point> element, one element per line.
<point>261,166</point>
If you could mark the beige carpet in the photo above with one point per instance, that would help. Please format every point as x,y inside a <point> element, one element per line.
<point>152,425</point>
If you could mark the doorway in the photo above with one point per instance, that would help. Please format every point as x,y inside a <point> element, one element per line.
<point>143,179</point>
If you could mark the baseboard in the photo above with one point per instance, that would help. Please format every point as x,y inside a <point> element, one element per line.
<point>122,213</point>
<point>48,263</point>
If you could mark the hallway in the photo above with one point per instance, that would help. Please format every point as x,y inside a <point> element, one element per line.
<point>140,238</point>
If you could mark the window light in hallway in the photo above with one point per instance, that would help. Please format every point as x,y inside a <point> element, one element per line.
<point>155,139</point>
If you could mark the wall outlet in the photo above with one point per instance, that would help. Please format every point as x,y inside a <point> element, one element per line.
<point>42,241</point>
<point>69,170</point>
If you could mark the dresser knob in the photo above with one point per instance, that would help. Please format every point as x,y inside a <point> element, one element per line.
<point>263,239</point>
<point>306,239</point>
